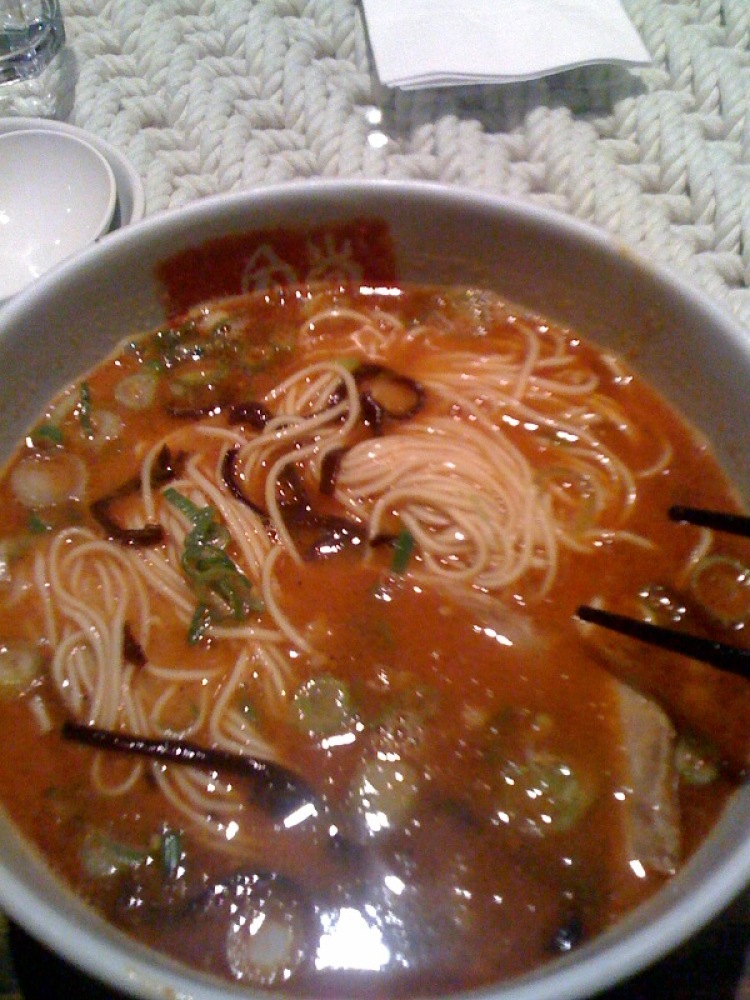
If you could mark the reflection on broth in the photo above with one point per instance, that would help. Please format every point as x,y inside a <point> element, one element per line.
<point>288,648</point>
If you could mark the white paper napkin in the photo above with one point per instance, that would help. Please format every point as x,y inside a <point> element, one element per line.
<point>431,43</point>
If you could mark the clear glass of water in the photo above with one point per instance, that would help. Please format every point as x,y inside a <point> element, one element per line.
<point>32,34</point>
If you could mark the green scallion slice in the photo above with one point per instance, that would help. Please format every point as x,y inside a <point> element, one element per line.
<point>47,433</point>
<point>402,551</point>
<point>84,410</point>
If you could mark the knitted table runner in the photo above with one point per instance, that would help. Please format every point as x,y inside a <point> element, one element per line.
<point>206,96</point>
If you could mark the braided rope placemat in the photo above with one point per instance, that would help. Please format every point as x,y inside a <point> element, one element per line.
<point>207,96</point>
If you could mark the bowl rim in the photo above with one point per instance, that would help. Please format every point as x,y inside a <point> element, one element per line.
<point>608,961</point>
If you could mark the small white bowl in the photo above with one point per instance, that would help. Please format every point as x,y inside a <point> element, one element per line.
<point>57,195</point>
<point>131,197</point>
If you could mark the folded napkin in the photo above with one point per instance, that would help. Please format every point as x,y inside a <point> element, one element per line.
<point>432,43</point>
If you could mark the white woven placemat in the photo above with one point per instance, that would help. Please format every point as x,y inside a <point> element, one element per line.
<point>216,95</point>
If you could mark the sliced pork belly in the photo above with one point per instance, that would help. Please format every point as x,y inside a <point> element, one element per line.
<point>652,820</point>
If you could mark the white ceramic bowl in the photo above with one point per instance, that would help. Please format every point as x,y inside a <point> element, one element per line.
<point>131,199</point>
<point>57,195</point>
<point>689,349</point>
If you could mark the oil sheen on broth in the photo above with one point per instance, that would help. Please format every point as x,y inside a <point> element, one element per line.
<point>343,532</point>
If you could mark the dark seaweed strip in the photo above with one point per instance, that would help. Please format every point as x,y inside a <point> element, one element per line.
<point>274,788</point>
<point>149,534</point>
<point>329,470</point>
<point>132,650</point>
<point>373,414</point>
<point>298,512</point>
<point>384,538</point>
<point>166,467</point>
<point>293,497</point>
<point>194,412</point>
<point>254,414</point>
<point>735,524</point>
<point>370,371</point>
<point>718,654</point>
<point>296,509</point>
<point>231,480</point>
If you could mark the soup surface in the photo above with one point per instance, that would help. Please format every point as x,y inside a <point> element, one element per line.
<point>293,684</point>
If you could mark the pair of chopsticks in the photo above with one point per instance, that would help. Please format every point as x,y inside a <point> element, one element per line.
<point>717,654</point>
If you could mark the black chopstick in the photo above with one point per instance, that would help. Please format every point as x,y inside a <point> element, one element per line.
<point>717,654</point>
<point>735,524</point>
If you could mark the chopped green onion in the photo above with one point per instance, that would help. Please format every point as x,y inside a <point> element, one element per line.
<point>322,706</point>
<point>210,570</point>
<point>170,851</point>
<point>696,760</point>
<point>20,667</point>
<point>382,796</point>
<point>245,705</point>
<point>205,562</point>
<point>349,364</point>
<point>541,795</point>
<point>137,391</point>
<point>193,378</point>
<point>183,504</point>
<point>402,550</point>
<point>103,857</point>
<point>47,433</point>
<point>236,590</point>
<point>199,624</point>
<point>37,526</point>
<point>84,410</point>
<point>721,585</point>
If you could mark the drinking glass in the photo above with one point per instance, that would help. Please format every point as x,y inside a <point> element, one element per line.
<point>32,34</point>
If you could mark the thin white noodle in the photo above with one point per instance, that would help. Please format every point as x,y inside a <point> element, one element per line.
<point>182,675</point>
<point>38,709</point>
<point>161,704</point>
<point>43,591</point>
<point>227,727</point>
<point>699,551</point>
<point>119,788</point>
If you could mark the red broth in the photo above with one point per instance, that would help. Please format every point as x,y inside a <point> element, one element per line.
<point>346,530</point>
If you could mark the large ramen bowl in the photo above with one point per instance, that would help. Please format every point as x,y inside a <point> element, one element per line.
<point>689,349</point>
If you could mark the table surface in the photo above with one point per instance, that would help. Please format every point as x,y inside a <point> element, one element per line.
<point>208,96</point>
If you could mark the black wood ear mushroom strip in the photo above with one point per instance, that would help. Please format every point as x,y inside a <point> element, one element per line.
<point>166,468</point>
<point>275,788</point>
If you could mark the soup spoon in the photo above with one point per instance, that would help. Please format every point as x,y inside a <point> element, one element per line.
<point>57,195</point>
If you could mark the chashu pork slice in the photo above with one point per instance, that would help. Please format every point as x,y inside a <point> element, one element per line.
<point>652,812</point>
